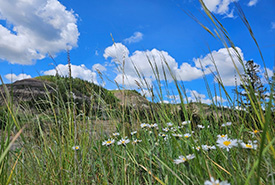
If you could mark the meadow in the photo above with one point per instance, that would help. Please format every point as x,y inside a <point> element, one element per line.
<point>60,141</point>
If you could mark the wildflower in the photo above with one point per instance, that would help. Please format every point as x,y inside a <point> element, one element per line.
<point>134,132</point>
<point>182,158</point>
<point>76,147</point>
<point>206,147</point>
<point>108,142</point>
<point>185,122</point>
<point>162,135</point>
<point>169,124</point>
<point>136,141</point>
<point>187,135</point>
<point>249,145</point>
<point>142,125</point>
<point>116,134</point>
<point>254,132</point>
<point>197,148</point>
<point>226,143</point>
<point>222,136</point>
<point>165,129</point>
<point>200,126</point>
<point>226,124</point>
<point>177,135</point>
<point>152,125</point>
<point>215,182</point>
<point>123,141</point>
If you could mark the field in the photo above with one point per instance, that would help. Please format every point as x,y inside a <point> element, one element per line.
<point>80,133</point>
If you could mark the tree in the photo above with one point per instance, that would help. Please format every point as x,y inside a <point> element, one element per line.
<point>253,86</point>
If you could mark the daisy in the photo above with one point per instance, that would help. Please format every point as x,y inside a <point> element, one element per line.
<point>249,145</point>
<point>142,125</point>
<point>134,132</point>
<point>76,147</point>
<point>153,125</point>
<point>222,136</point>
<point>116,134</point>
<point>187,135</point>
<point>169,124</point>
<point>108,142</point>
<point>226,143</point>
<point>182,158</point>
<point>206,147</point>
<point>200,126</point>
<point>165,129</point>
<point>226,124</point>
<point>177,135</point>
<point>197,148</point>
<point>254,132</point>
<point>136,141</point>
<point>185,122</point>
<point>215,182</point>
<point>123,141</point>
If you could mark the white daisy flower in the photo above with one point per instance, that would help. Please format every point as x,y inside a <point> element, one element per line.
<point>227,143</point>
<point>142,125</point>
<point>197,148</point>
<point>187,135</point>
<point>162,135</point>
<point>153,125</point>
<point>200,126</point>
<point>215,182</point>
<point>206,147</point>
<point>254,132</point>
<point>136,141</point>
<point>123,141</point>
<point>249,145</point>
<point>169,124</point>
<point>226,124</point>
<point>165,129</point>
<point>182,158</point>
<point>222,136</point>
<point>108,142</point>
<point>185,122</point>
<point>177,135</point>
<point>134,132</point>
<point>116,134</point>
<point>76,147</point>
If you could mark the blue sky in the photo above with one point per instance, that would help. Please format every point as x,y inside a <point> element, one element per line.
<point>30,29</point>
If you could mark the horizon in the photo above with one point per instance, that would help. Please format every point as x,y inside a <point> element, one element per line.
<point>139,29</point>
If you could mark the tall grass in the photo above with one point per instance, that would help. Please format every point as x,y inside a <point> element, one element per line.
<point>63,144</point>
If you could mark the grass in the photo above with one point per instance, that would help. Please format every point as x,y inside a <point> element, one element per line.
<point>59,145</point>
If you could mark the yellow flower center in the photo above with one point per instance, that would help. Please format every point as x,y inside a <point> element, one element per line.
<point>248,146</point>
<point>256,131</point>
<point>226,143</point>
<point>183,159</point>
<point>222,135</point>
<point>122,142</point>
<point>109,142</point>
<point>186,136</point>
<point>76,147</point>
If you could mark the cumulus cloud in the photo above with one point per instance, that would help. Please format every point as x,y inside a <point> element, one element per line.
<point>252,2</point>
<point>195,96</point>
<point>99,67</point>
<point>13,77</point>
<point>34,28</point>
<point>223,63</point>
<point>80,71</point>
<point>134,38</point>
<point>140,61</point>
<point>219,6</point>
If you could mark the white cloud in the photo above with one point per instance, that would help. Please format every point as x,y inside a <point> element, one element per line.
<point>252,3</point>
<point>223,63</point>
<point>77,72</point>
<point>272,25</point>
<point>219,6</point>
<point>34,28</point>
<point>194,96</point>
<point>13,77</point>
<point>134,38</point>
<point>99,67</point>
<point>139,60</point>
<point>96,53</point>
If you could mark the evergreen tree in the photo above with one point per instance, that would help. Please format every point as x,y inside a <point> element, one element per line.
<point>252,86</point>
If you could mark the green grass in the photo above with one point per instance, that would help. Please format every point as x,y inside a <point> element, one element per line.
<point>45,138</point>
